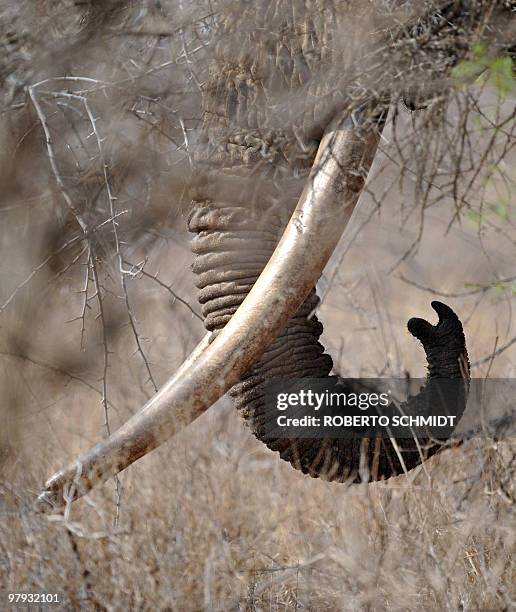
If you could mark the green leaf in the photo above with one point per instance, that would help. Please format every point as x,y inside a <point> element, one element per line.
<point>501,75</point>
<point>475,218</point>
<point>499,287</point>
<point>479,50</point>
<point>502,210</point>
<point>468,70</point>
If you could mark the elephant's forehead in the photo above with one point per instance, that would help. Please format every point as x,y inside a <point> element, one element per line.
<point>274,59</point>
<point>281,69</point>
<point>276,78</point>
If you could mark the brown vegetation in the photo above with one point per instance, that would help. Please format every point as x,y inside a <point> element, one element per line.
<point>213,520</point>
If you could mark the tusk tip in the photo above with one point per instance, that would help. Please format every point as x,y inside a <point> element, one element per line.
<point>53,496</point>
<point>46,502</point>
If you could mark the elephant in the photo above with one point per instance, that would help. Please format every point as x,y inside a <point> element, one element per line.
<point>280,164</point>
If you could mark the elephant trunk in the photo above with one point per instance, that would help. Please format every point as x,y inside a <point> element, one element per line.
<point>232,242</point>
<point>330,193</point>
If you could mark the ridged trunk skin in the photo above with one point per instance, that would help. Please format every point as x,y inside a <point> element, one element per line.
<point>233,242</point>
<point>262,120</point>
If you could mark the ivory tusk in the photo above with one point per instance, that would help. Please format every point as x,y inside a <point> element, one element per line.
<point>344,157</point>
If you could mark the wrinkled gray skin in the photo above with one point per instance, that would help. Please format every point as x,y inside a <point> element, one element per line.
<point>287,79</point>
<point>263,117</point>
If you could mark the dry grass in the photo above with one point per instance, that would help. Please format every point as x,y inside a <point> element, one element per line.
<point>226,526</point>
<point>212,520</point>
